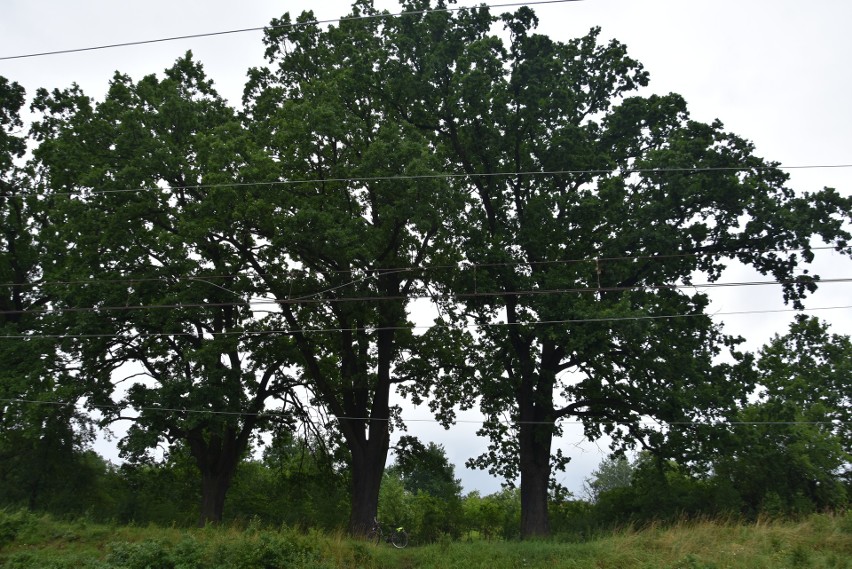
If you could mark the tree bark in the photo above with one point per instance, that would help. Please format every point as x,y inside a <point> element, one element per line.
<point>217,460</point>
<point>534,396</point>
<point>214,489</point>
<point>370,454</point>
<point>368,466</point>
<point>534,458</point>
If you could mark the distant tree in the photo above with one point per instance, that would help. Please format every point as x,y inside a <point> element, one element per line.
<point>616,472</point>
<point>496,515</point>
<point>791,449</point>
<point>660,490</point>
<point>426,468</point>
<point>434,492</point>
<point>299,482</point>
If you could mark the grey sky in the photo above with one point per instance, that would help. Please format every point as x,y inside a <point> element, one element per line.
<point>776,72</point>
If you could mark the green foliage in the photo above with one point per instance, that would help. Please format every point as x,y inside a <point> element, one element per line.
<point>371,202</point>
<point>660,491</point>
<point>496,516</point>
<point>611,473</point>
<point>12,523</point>
<point>514,166</point>
<point>569,176</point>
<point>163,494</point>
<point>296,484</point>
<point>817,542</point>
<point>264,549</point>
<point>41,430</point>
<point>105,168</point>
<point>791,454</point>
<point>426,469</point>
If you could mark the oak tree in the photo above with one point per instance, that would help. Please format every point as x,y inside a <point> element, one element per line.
<point>159,304</point>
<point>353,211</point>
<point>593,210</point>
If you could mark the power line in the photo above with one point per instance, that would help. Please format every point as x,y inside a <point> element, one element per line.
<point>369,329</point>
<point>311,299</point>
<point>280,414</point>
<point>280,26</point>
<point>450,175</point>
<point>385,271</point>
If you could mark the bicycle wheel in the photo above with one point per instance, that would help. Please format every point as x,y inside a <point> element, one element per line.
<point>399,539</point>
<point>374,536</point>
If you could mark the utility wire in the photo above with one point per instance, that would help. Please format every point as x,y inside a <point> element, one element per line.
<point>449,175</point>
<point>463,265</point>
<point>311,299</point>
<point>280,26</point>
<point>369,329</point>
<point>278,414</point>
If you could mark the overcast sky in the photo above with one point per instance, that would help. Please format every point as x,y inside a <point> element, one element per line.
<point>776,72</point>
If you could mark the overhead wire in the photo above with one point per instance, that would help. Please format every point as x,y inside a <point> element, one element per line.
<point>377,16</point>
<point>385,271</point>
<point>451,175</point>
<point>369,329</point>
<point>278,414</point>
<point>312,298</point>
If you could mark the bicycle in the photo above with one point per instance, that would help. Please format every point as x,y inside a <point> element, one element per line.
<point>396,537</point>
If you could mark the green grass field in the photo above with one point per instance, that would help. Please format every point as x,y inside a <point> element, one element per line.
<point>28,540</point>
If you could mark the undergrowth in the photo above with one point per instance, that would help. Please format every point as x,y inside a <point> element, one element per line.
<point>33,541</point>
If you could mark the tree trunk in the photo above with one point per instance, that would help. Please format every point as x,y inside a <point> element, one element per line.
<point>535,440</point>
<point>535,436</point>
<point>370,453</point>
<point>368,467</point>
<point>214,487</point>
<point>217,460</point>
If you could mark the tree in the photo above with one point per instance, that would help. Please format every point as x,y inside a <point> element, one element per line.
<point>592,211</point>
<point>352,210</point>
<point>616,472</point>
<point>42,433</point>
<point>435,493</point>
<point>425,468</point>
<point>142,226</point>
<point>790,449</point>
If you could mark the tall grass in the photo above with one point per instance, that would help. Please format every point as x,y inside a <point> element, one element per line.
<point>28,540</point>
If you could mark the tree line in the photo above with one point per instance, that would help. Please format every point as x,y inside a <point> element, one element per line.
<point>213,272</point>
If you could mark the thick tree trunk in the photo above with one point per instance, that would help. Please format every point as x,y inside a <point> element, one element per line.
<point>214,488</point>
<point>370,453</point>
<point>534,457</point>
<point>368,467</point>
<point>535,435</point>
<point>217,458</point>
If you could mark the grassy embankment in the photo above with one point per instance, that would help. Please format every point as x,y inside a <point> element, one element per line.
<point>28,540</point>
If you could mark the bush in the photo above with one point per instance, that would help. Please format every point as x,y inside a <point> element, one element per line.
<point>270,550</point>
<point>12,524</point>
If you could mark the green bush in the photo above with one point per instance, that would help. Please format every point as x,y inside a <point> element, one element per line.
<point>266,549</point>
<point>148,554</point>
<point>12,524</point>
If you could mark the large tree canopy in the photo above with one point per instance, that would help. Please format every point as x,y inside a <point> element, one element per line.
<point>353,209</point>
<point>143,230</point>
<point>592,210</point>
<point>533,188</point>
<point>41,430</point>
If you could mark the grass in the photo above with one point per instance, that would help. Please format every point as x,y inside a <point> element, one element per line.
<point>28,540</point>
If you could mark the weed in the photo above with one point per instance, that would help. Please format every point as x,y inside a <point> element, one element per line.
<point>12,524</point>
<point>692,562</point>
<point>800,557</point>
